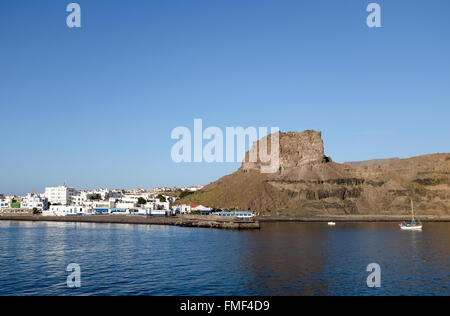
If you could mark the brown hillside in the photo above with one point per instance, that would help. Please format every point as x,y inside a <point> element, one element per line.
<point>308,184</point>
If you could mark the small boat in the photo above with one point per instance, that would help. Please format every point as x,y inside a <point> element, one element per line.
<point>331,224</point>
<point>413,225</point>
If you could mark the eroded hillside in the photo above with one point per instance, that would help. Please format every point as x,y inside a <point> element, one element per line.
<point>308,183</point>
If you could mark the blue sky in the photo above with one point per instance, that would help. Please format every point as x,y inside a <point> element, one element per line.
<point>95,106</point>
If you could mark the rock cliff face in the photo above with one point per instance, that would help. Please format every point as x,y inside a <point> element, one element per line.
<point>308,183</point>
<point>295,150</point>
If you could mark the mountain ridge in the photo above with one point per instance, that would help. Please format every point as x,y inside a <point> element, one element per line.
<point>308,183</point>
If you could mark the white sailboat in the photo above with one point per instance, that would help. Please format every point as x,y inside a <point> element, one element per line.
<point>413,225</point>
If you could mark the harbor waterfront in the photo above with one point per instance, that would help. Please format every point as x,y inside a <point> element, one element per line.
<point>282,258</point>
<point>189,220</point>
<point>210,221</point>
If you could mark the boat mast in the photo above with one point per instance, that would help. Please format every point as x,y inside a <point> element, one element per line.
<point>412,211</point>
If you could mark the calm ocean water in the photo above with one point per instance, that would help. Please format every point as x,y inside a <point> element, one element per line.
<point>280,259</point>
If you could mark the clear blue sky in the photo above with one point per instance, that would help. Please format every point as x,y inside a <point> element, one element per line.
<point>95,106</point>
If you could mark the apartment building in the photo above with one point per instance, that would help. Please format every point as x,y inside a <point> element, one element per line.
<point>61,195</point>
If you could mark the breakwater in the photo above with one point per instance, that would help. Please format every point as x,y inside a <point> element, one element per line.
<point>184,221</point>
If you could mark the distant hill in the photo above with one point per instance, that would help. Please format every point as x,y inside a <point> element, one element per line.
<point>309,184</point>
<point>369,163</point>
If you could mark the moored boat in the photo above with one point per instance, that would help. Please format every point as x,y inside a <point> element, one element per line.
<point>413,225</point>
<point>410,226</point>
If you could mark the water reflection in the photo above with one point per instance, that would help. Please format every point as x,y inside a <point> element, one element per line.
<point>314,259</point>
<point>281,259</point>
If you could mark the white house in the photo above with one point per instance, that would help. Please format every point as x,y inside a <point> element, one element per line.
<point>105,193</point>
<point>194,188</point>
<point>7,200</point>
<point>144,211</point>
<point>183,209</point>
<point>31,201</point>
<point>198,207</point>
<point>79,199</point>
<point>163,205</point>
<point>126,205</point>
<point>103,206</point>
<point>188,208</point>
<point>133,198</point>
<point>61,195</point>
<point>4,203</point>
<point>88,204</point>
<point>156,204</point>
<point>116,194</point>
<point>63,210</point>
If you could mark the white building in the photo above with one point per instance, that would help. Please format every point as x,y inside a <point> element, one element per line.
<point>163,205</point>
<point>61,195</point>
<point>105,193</point>
<point>126,205</point>
<point>138,191</point>
<point>87,204</point>
<point>4,202</point>
<point>144,211</point>
<point>129,199</point>
<point>79,199</point>
<point>193,188</point>
<point>135,197</point>
<point>31,201</point>
<point>183,209</point>
<point>63,210</point>
<point>189,208</point>
<point>103,205</point>
<point>115,194</point>
<point>156,204</point>
<point>198,207</point>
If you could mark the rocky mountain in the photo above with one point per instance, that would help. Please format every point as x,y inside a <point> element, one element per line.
<point>308,183</point>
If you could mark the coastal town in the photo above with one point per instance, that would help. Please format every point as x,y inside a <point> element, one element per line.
<point>68,201</point>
